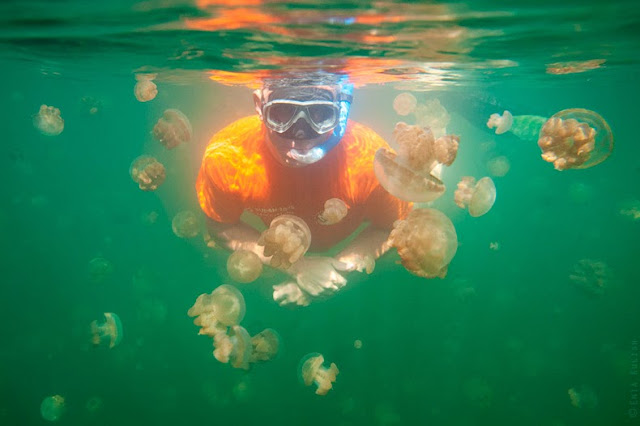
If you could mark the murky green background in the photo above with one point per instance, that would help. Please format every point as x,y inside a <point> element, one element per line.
<point>500,341</point>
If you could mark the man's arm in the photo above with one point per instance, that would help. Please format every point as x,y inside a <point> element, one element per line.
<point>236,236</point>
<point>365,249</point>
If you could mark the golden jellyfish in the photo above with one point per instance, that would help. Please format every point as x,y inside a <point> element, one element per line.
<point>288,294</point>
<point>630,209</point>
<point>48,121</point>
<point>477,197</point>
<point>286,241</point>
<point>99,269</point>
<point>265,345</point>
<point>502,123</point>
<point>408,174</point>
<point>233,347</point>
<point>434,115</point>
<point>591,275</point>
<point>426,242</point>
<point>185,224</point>
<point>145,89</point>
<point>172,129</point>
<point>312,371</point>
<point>499,166</point>
<point>405,103</point>
<point>583,397</point>
<point>108,332</point>
<point>52,408</point>
<point>147,172</point>
<point>334,211</point>
<point>244,266</point>
<point>575,139</point>
<point>215,312</point>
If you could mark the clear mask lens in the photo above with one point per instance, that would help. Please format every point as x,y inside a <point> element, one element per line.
<point>280,115</point>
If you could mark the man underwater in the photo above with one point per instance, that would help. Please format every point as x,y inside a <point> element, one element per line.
<point>299,151</point>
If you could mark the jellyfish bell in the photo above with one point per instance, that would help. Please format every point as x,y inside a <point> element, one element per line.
<point>575,139</point>
<point>312,371</point>
<point>334,211</point>
<point>185,224</point>
<point>48,121</point>
<point>265,345</point>
<point>147,172</point>
<point>426,242</point>
<point>172,129</point>
<point>108,332</point>
<point>402,182</point>
<point>477,197</point>
<point>499,166</point>
<point>52,408</point>
<point>405,103</point>
<point>225,305</point>
<point>145,89</point>
<point>286,241</point>
<point>233,347</point>
<point>244,266</point>
<point>502,123</point>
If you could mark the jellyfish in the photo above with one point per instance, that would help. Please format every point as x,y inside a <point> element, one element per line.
<point>426,242</point>
<point>357,344</point>
<point>244,266</point>
<point>91,105</point>
<point>502,123</point>
<point>147,172</point>
<point>630,209</point>
<point>433,115</point>
<point>584,397</point>
<point>408,175</point>
<point>172,129</point>
<point>48,121</point>
<point>94,405</point>
<point>575,139</point>
<point>265,345</point>
<point>52,408</point>
<point>145,89</point>
<point>215,312</point>
<point>100,269</point>
<point>499,166</point>
<point>110,331</point>
<point>405,103</point>
<point>233,347</point>
<point>334,211</point>
<point>286,241</point>
<point>477,197</point>
<point>591,276</point>
<point>290,294</point>
<point>185,224</point>
<point>313,371</point>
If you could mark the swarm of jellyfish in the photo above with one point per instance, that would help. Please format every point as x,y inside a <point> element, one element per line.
<point>575,139</point>
<point>286,241</point>
<point>244,266</point>
<point>334,211</point>
<point>147,172</point>
<point>477,197</point>
<point>48,121</point>
<point>100,269</point>
<point>185,224</point>
<point>591,276</point>
<point>107,333</point>
<point>408,174</point>
<point>172,129</point>
<point>312,371</point>
<point>265,345</point>
<point>502,123</point>
<point>52,408</point>
<point>426,242</point>
<point>214,312</point>
<point>145,89</point>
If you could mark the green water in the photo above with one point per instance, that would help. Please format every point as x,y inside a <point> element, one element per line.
<point>499,341</point>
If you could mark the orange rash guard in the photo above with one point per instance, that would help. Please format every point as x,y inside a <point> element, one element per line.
<point>239,173</point>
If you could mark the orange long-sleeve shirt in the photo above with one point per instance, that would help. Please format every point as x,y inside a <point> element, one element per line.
<point>239,173</point>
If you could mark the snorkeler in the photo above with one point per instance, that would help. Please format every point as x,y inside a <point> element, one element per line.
<point>298,152</point>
